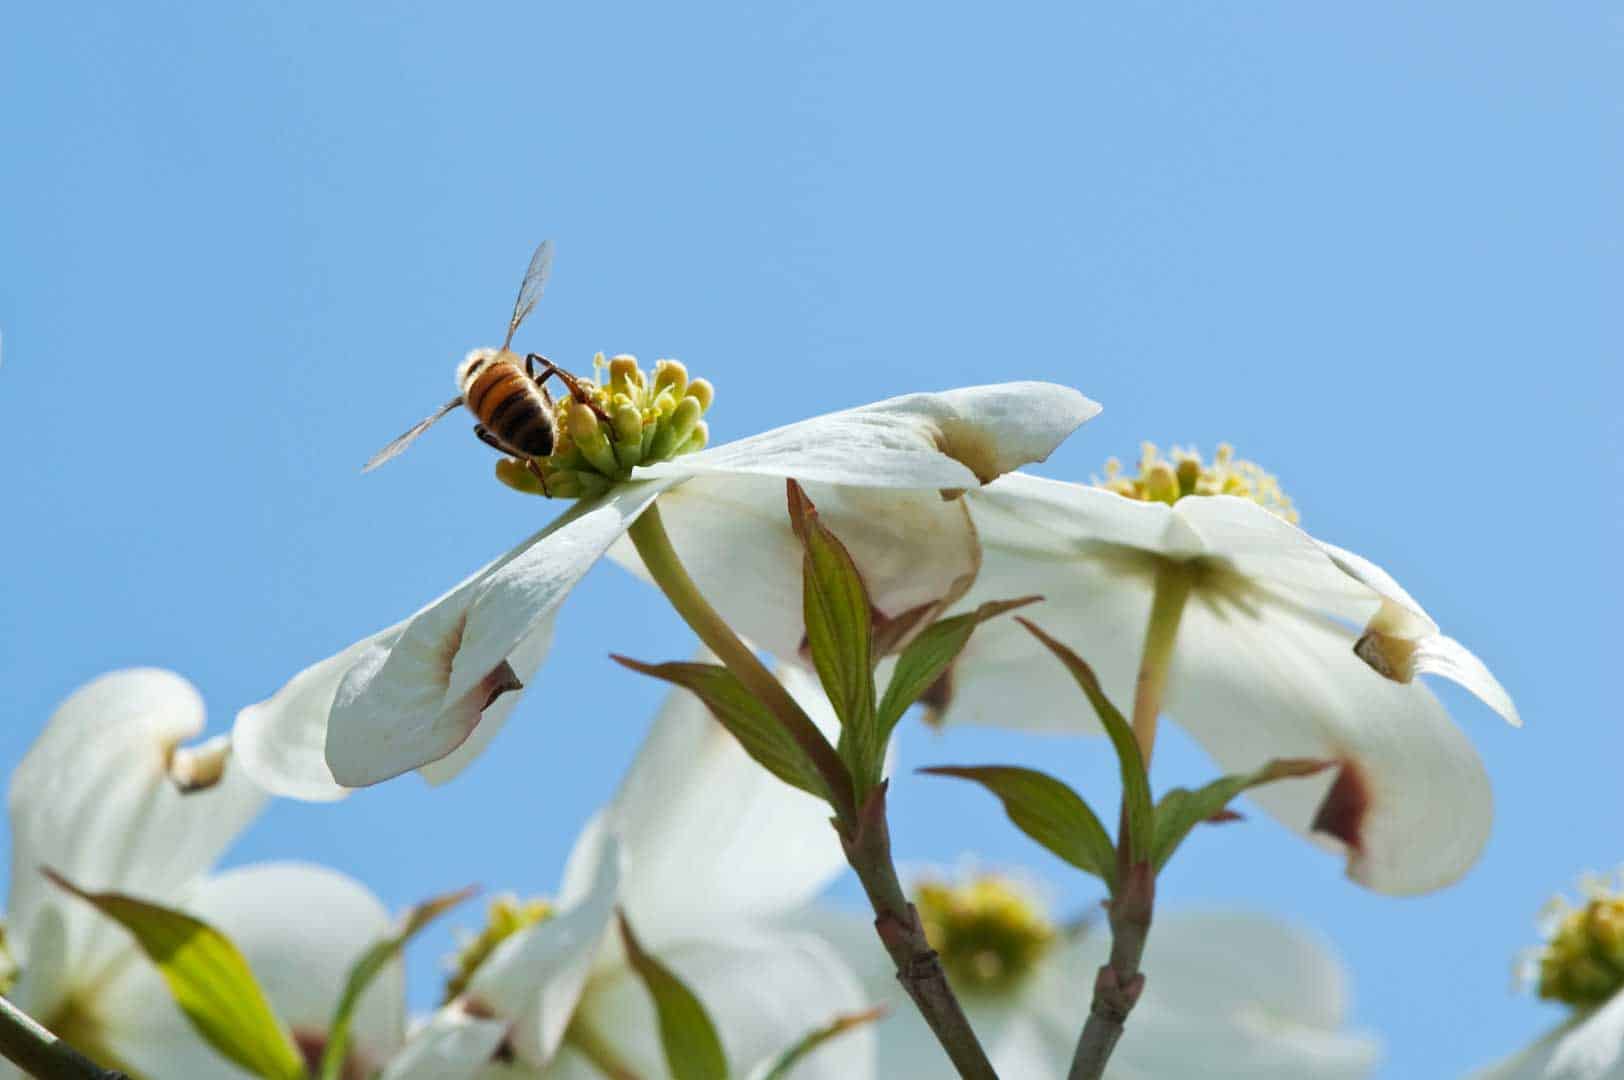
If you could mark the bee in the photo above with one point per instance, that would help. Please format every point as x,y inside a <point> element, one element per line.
<point>508,396</point>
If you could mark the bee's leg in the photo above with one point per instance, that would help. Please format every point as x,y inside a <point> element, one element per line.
<point>541,477</point>
<point>485,436</point>
<point>549,369</point>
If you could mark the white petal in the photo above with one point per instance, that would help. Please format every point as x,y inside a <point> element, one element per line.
<point>1592,1049</point>
<point>734,538</point>
<point>1435,653</point>
<point>710,837</point>
<point>282,741</point>
<point>416,700</point>
<point>1226,996</point>
<point>1413,621</point>
<point>525,661</point>
<point>301,928</point>
<point>450,1045</point>
<point>1410,804</point>
<point>1441,655</point>
<point>92,799</point>
<point>948,440</point>
<point>535,978</point>
<point>763,990</point>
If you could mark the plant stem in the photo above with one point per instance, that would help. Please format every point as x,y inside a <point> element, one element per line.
<point>40,1054</point>
<point>919,969</point>
<point>1166,607</point>
<point>1119,982</point>
<point>654,547</point>
<point>864,834</point>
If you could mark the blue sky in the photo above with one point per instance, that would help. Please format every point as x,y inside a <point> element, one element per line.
<point>1379,247</point>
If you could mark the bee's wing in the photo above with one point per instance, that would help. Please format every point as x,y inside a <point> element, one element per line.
<point>535,280</point>
<point>406,440</point>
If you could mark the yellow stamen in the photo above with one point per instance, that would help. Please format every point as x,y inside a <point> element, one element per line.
<point>630,418</point>
<point>989,932</point>
<point>1582,960</point>
<point>506,916</point>
<point>1182,474</point>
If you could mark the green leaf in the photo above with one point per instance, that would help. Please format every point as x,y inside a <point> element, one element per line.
<point>693,1051</point>
<point>758,731</point>
<point>1049,812</point>
<point>367,968</point>
<point>840,635</point>
<point>1181,809</point>
<point>1136,802</point>
<point>930,654</point>
<point>209,980</point>
<point>779,1066</point>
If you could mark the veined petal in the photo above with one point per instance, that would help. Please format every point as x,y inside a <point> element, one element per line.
<point>1402,617</point>
<point>535,978</point>
<point>415,700</point>
<point>710,837</point>
<point>734,537</point>
<point>763,989</point>
<point>1594,1048</point>
<point>282,742</point>
<point>1443,655</point>
<point>1226,996</point>
<point>525,661</point>
<point>93,800</point>
<point>450,1045</point>
<point>951,440</point>
<point>300,927</point>
<point>1410,805</point>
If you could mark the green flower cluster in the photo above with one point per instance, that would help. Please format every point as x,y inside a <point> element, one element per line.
<point>633,418</point>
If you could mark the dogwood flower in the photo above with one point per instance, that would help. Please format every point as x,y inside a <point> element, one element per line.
<point>97,799</point>
<point>704,852</point>
<point>1226,995</point>
<point>1268,643</point>
<point>430,691</point>
<point>1581,965</point>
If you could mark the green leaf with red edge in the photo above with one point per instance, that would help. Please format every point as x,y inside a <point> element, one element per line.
<point>1182,809</point>
<point>778,1067</point>
<point>840,636</point>
<point>209,980</point>
<point>1049,812</point>
<point>693,1050</point>
<point>930,654</point>
<point>758,731</point>
<point>367,968</point>
<point>1136,801</point>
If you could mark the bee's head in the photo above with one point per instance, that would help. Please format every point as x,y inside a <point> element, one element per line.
<point>473,363</point>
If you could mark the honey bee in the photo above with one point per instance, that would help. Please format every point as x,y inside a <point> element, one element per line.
<point>507,395</point>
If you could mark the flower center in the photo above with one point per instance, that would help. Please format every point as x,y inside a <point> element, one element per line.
<point>990,934</point>
<point>1582,961</point>
<point>1183,474</point>
<point>634,418</point>
<point>506,916</point>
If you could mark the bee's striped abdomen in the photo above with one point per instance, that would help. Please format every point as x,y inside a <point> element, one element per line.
<point>511,407</point>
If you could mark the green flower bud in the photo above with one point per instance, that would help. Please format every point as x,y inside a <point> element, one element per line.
<point>670,375</point>
<point>625,377</point>
<point>703,392</point>
<point>675,429</point>
<point>590,438</point>
<point>628,434</point>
